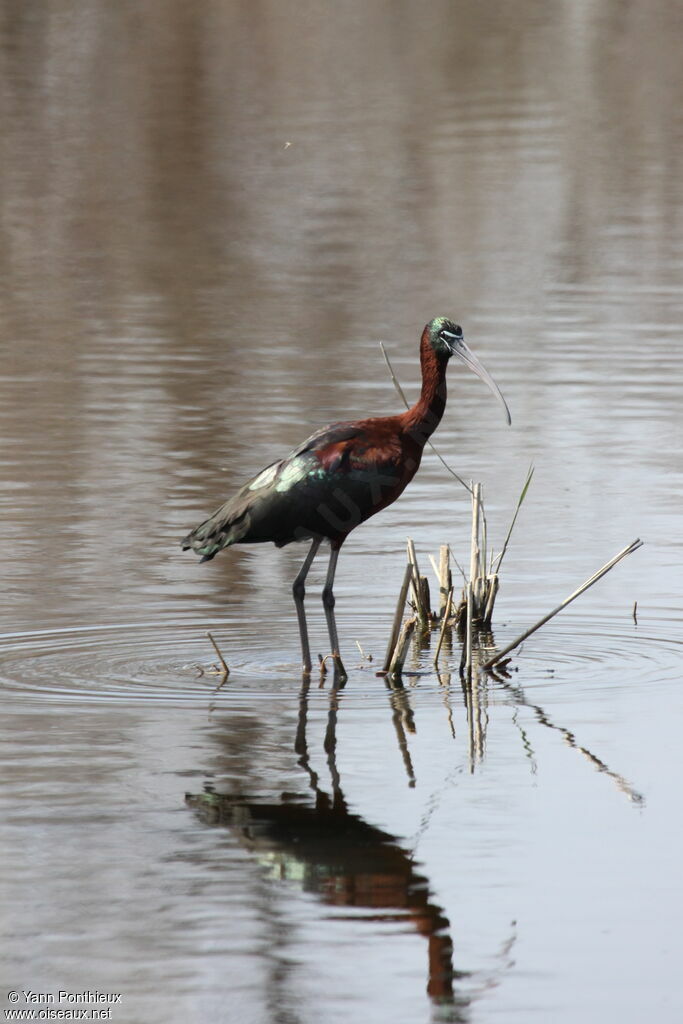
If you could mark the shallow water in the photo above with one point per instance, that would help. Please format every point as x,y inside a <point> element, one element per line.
<point>209,219</point>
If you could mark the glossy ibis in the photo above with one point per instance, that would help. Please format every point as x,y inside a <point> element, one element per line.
<point>338,478</point>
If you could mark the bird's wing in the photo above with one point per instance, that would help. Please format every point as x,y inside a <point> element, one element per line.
<point>233,520</point>
<point>361,460</point>
<point>333,433</point>
<point>278,473</point>
<point>364,446</point>
<point>360,445</point>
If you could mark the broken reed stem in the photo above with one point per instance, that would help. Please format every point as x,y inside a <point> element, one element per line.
<point>418,593</point>
<point>481,583</point>
<point>224,664</point>
<point>474,541</point>
<point>442,571</point>
<point>426,600</point>
<point>468,632</point>
<point>396,666</point>
<point>444,626</point>
<point>479,592</point>
<point>484,538</point>
<point>364,656</point>
<point>407,405</point>
<point>633,546</point>
<point>398,616</point>
<point>412,562</point>
<point>494,583</point>
<point>445,581</point>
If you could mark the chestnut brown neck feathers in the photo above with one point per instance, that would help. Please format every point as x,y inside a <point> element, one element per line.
<point>422,419</point>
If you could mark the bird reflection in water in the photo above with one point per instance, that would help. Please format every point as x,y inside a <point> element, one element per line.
<point>319,844</point>
<point>347,862</point>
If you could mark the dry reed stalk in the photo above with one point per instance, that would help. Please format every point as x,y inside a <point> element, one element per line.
<point>474,612</point>
<point>425,601</point>
<point>364,656</point>
<point>398,616</point>
<point>457,564</point>
<point>478,554</point>
<point>444,626</point>
<point>474,541</point>
<point>442,571</point>
<point>469,631</point>
<point>485,582</point>
<point>419,595</point>
<point>493,583</point>
<point>445,580</point>
<point>225,671</point>
<point>633,546</point>
<point>484,541</point>
<point>520,502</point>
<point>401,651</point>
<point>484,568</point>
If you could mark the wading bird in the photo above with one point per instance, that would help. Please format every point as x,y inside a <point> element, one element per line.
<point>338,478</point>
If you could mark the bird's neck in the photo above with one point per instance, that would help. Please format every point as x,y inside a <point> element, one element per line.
<point>422,419</point>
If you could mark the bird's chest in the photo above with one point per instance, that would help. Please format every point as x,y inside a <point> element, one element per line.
<point>381,476</point>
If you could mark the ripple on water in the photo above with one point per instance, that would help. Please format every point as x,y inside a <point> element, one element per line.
<point>132,663</point>
<point>599,654</point>
<point>176,664</point>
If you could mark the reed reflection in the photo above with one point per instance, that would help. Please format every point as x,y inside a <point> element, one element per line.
<point>477,689</point>
<point>404,721</point>
<point>544,719</point>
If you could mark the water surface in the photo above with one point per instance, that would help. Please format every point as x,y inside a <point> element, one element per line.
<point>209,220</point>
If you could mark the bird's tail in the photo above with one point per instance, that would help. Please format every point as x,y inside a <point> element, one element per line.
<point>219,531</point>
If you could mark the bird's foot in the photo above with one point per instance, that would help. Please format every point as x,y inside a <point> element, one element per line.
<point>340,676</point>
<point>322,662</point>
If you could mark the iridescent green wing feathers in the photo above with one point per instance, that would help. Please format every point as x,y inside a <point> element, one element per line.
<point>263,508</point>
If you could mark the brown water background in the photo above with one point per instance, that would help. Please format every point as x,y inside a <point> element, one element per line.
<point>210,215</point>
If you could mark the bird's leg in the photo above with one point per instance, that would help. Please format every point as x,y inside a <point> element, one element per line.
<point>328,604</point>
<point>299,592</point>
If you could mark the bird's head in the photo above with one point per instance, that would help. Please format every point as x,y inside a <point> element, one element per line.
<point>446,338</point>
<point>444,335</point>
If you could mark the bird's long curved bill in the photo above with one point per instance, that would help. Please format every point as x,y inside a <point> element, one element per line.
<point>461,350</point>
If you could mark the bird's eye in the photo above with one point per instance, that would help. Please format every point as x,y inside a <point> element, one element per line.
<point>454,332</point>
